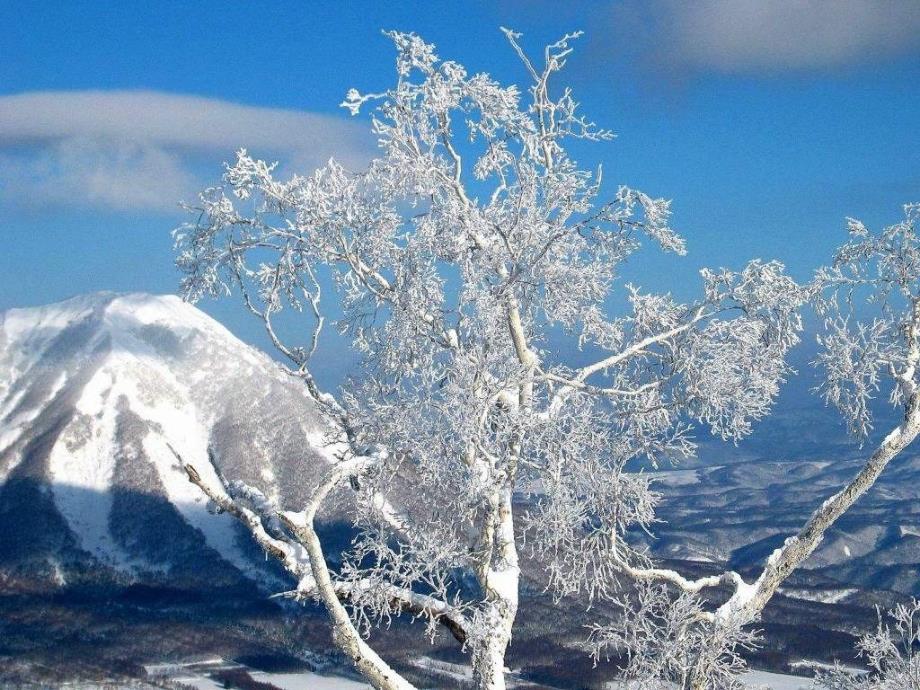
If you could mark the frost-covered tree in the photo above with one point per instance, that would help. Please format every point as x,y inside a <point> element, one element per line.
<point>458,255</point>
<point>870,298</point>
<point>668,643</point>
<point>891,653</point>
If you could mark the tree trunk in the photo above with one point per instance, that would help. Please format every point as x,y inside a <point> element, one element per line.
<point>489,655</point>
<point>500,580</point>
<point>696,681</point>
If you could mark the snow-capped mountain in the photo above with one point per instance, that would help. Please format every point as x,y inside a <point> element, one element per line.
<point>93,392</point>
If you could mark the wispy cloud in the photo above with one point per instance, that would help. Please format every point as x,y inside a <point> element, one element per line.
<point>750,36</point>
<point>146,150</point>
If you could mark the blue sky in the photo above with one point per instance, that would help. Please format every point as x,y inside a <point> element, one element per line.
<point>766,122</point>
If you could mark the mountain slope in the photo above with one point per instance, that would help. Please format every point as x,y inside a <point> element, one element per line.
<point>93,393</point>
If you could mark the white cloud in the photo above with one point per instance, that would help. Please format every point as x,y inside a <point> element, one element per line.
<point>81,172</point>
<point>779,35</point>
<point>147,150</point>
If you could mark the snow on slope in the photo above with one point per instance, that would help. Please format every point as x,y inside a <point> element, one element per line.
<point>95,390</point>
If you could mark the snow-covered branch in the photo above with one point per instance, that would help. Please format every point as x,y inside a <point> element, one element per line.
<point>639,347</point>
<point>885,267</point>
<point>302,556</point>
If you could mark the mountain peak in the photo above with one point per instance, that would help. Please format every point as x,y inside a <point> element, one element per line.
<point>97,390</point>
<point>122,309</point>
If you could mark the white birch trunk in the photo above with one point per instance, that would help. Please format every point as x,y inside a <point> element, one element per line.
<point>500,575</point>
<point>501,580</point>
